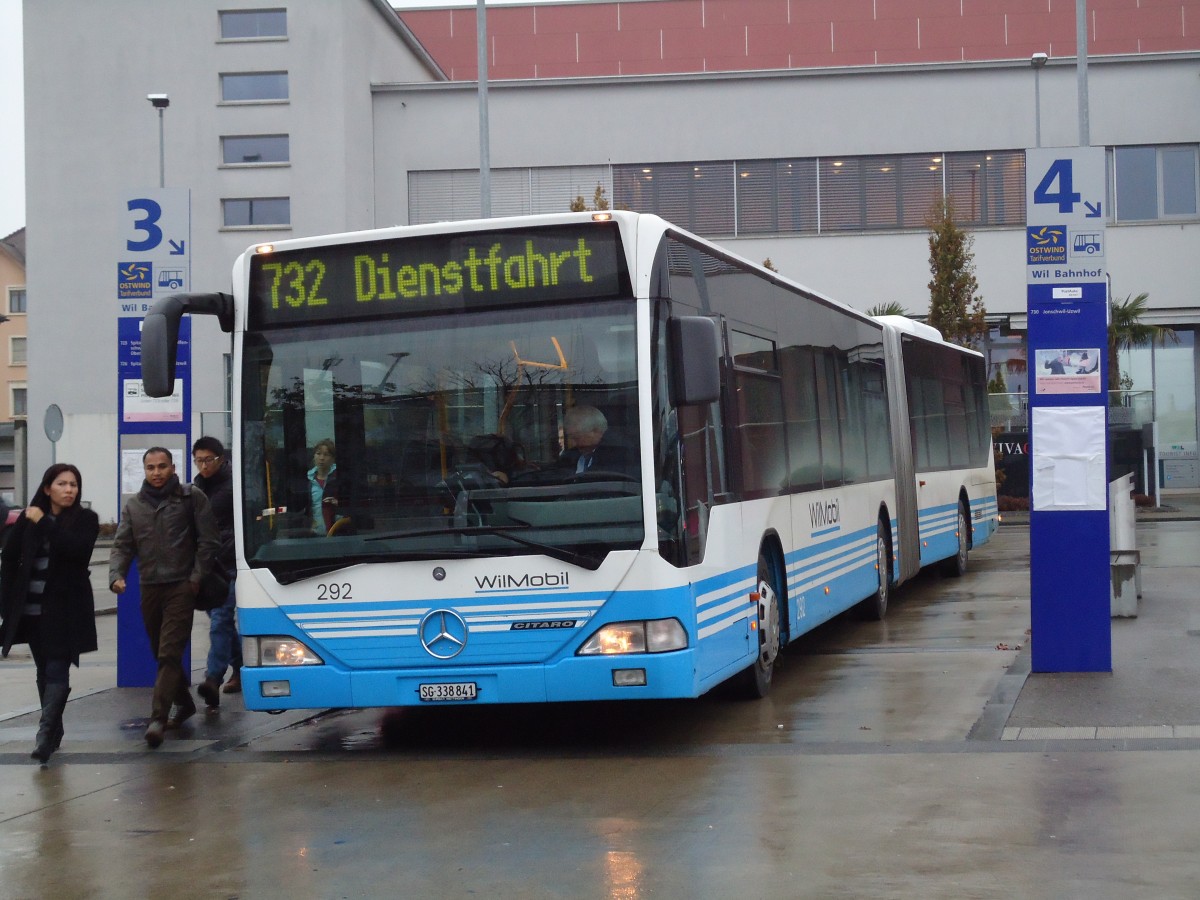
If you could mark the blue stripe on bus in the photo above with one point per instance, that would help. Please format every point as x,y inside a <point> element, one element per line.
<point>376,641</point>
<point>830,577</point>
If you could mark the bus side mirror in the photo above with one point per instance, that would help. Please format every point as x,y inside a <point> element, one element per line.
<point>695,351</point>
<point>160,337</point>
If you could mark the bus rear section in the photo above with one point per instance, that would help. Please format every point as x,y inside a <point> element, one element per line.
<point>944,406</point>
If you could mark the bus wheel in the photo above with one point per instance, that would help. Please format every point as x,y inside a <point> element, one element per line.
<point>875,607</point>
<point>956,566</point>
<point>757,678</point>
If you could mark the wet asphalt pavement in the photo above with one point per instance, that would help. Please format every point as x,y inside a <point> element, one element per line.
<point>910,758</point>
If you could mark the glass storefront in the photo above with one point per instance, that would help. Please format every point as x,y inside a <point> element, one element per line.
<point>1158,384</point>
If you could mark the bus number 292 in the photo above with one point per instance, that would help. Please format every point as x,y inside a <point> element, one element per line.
<point>334,591</point>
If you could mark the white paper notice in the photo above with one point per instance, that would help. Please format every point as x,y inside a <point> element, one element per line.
<point>133,472</point>
<point>1068,458</point>
<point>141,407</point>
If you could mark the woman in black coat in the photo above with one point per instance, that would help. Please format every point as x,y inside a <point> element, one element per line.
<point>46,594</point>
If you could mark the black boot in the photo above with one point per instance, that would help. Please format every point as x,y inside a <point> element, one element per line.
<point>50,728</point>
<point>210,690</point>
<point>185,708</point>
<point>56,738</point>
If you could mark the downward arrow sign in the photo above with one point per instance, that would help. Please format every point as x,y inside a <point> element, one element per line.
<point>1093,210</point>
<point>177,247</point>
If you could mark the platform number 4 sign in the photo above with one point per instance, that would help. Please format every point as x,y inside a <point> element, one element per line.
<point>1066,185</point>
<point>1056,187</point>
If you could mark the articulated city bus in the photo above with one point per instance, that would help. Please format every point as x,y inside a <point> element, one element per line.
<point>569,457</point>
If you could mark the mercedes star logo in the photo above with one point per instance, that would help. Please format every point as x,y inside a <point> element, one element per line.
<point>443,633</point>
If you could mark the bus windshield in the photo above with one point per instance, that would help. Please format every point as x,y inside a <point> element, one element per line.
<point>442,436</point>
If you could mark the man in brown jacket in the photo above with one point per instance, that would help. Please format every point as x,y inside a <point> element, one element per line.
<point>171,531</point>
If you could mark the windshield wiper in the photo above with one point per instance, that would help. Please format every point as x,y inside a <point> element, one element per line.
<point>583,560</point>
<point>291,576</point>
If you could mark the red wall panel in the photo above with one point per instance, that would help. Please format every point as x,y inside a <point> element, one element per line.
<point>664,14</point>
<point>1059,28</point>
<point>912,9</point>
<point>828,10</point>
<point>506,49</point>
<point>875,34</point>
<point>1167,44</point>
<point>663,36</point>
<point>927,55</point>
<point>1016,7</point>
<point>796,38</point>
<point>581,70</point>
<point>512,20</point>
<point>1162,22</point>
<point>577,17</point>
<point>554,48</point>
<point>735,13</point>
<point>428,24</point>
<point>622,47</point>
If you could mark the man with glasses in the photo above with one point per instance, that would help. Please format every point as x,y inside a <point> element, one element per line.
<point>214,477</point>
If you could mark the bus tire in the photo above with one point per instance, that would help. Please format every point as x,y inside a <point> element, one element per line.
<point>756,680</point>
<point>956,565</point>
<point>875,607</point>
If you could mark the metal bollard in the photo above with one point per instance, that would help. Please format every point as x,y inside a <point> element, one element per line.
<point>1124,557</point>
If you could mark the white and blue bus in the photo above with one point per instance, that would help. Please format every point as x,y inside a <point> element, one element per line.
<point>771,459</point>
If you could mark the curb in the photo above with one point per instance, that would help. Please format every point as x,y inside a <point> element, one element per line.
<point>1161,514</point>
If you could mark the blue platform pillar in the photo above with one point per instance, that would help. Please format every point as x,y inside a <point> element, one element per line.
<point>1067,305</point>
<point>152,261</point>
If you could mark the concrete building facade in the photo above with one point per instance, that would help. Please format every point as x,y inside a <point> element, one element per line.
<point>14,347</point>
<point>825,166</point>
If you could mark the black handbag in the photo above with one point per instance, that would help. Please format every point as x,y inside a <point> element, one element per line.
<point>214,591</point>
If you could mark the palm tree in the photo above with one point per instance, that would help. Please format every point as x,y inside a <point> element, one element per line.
<point>895,308</point>
<point>1127,331</point>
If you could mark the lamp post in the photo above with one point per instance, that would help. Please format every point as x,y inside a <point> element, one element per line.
<point>1038,61</point>
<point>485,153</point>
<point>160,102</point>
<point>1081,75</point>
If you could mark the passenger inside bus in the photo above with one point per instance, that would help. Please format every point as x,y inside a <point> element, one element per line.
<point>323,488</point>
<point>502,457</point>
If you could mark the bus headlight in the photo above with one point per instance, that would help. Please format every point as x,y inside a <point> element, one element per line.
<point>277,651</point>
<point>646,636</point>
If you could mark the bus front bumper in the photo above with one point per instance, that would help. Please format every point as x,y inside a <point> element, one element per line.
<point>650,676</point>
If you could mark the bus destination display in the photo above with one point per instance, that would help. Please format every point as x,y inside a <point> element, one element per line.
<point>436,273</point>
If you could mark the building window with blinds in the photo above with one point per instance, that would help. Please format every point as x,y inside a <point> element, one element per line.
<point>454,194</point>
<point>829,195</point>
<point>695,196</point>
<point>777,196</point>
